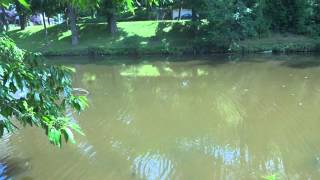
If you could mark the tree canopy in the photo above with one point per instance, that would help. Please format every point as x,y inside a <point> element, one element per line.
<point>36,94</point>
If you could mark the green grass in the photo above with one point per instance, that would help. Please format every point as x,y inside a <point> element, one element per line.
<point>142,37</point>
<point>145,70</point>
<point>133,38</point>
<point>280,43</point>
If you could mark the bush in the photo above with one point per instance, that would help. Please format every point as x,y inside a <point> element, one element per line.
<point>36,94</point>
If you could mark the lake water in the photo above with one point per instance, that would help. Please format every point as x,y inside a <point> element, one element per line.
<point>219,117</point>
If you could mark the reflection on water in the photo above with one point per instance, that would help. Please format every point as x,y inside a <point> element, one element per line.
<point>200,118</point>
<point>3,172</point>
<point>87,150</point>
<point>4,153</point>
<point>11,164</point>
<point>152,166</point>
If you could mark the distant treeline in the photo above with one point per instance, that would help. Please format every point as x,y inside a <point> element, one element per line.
<point>218,21</point>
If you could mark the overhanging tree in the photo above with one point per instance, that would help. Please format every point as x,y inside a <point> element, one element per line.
<point>36,94</point>
<point>33,93</point>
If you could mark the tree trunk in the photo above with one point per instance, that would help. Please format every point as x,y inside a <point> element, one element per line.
<point>1,26</point>
<point>180,9</point>
<point>92,13</point>
<point>73,26</point>
<point>44,24</point>
<point>66,15</point>
<point>158,14</point>
<point>194,15</point>
<point>194,26</point>
<point>49,21</point>
<point>22,16</point>
<point>4,18</point>
<point>112,23</point>
<point>23,21</point>
<point>149,10</point>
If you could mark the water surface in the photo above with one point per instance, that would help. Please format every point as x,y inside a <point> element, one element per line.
<point>219,117</point>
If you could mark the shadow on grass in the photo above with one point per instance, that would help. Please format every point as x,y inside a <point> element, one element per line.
<point>171,37</point>
<point>35,40</point>
<point>95,38</point>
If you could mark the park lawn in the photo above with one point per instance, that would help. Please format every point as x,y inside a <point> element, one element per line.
<point>281,43</point>
<point>133,37</point>
<point>143,37</point>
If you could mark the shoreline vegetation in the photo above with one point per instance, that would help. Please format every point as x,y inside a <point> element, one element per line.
<point>150,38</point>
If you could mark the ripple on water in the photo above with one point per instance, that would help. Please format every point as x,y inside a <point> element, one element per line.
<point>5,150</point>
<point>11,164</point>
<point>3,171</point>
<point>153,166</point>
<point>87,150</point>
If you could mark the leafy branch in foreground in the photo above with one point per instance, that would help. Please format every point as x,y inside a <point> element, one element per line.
<point>33,93</point>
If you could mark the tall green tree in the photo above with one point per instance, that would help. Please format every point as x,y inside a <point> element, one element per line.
<point>262,24</point>
<point>72,8</point>
<point>316,11</point>
<point>22,8</point>
<point>111,8</point>
<point>229,21</point>
<point>47,8</point>
<point>23,13</point>
<point>38,6</point>
<point>4,24</point>
<point>71,11</point>
<point>287,15</point>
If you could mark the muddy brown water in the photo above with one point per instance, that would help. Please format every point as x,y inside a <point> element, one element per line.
<point>218,117</point>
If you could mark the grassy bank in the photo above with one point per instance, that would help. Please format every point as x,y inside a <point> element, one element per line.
<point>144,37</point>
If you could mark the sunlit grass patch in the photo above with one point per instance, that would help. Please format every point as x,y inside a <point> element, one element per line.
<point>270,177</point>
<point>141,71</point>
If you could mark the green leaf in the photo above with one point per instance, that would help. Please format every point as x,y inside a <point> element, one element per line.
<point>83,102</point>
<point>8,125</point>
<point>49,98</point>
<point>271,177</point>
<point>76,128</point>
<point>24,3</point>
<point>5,3</point>
<point>71,69</point>
<point>46,119</point>
<point>69,135</point>
<point>130,5</point>
<point>54,136</point>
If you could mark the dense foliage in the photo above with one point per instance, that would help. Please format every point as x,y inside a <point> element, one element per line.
<point>33,93</point>
<point>225,22</point>
<point>228,20</point>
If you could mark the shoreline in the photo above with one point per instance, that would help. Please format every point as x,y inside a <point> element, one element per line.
<point>135,52</point>
<point>145,38</point>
